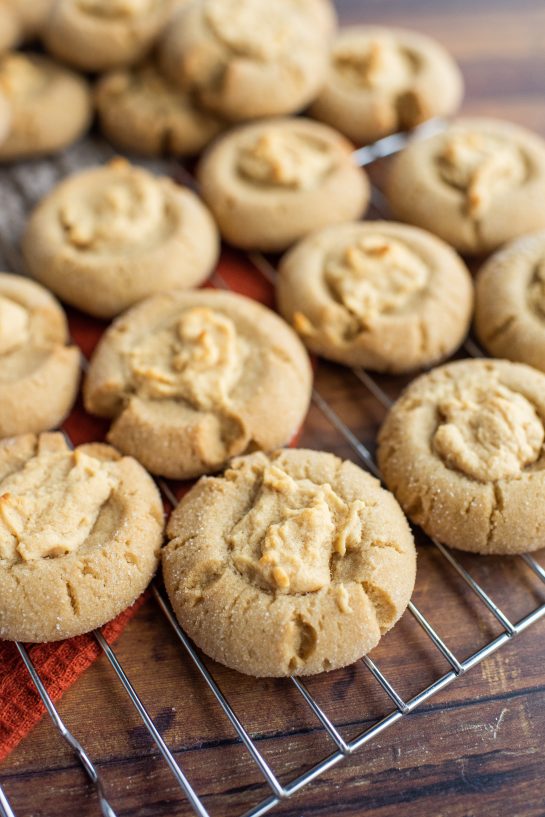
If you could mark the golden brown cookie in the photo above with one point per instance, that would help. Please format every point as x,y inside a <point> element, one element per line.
<point>478,184</point>
<point>143,112</point>
<point>270,183</point>
<point>463,452</point>
<point>80,536</point>
<point>107,237</point>
<point>98,35</point>
<point>288,564</point>
<point>10,26</point>
<point>50,105</point>
<point>510,302</point>
<point>246,59</point>
<point>383,80</point>
<point>39,372</point>
<point>376,294</point>
<point>194,378</point>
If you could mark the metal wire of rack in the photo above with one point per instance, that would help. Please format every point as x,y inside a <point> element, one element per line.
<point>401,707</point>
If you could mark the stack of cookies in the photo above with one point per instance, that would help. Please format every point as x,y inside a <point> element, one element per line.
<point>279,561</point>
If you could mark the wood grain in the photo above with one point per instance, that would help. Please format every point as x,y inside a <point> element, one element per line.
<point>475,749</point>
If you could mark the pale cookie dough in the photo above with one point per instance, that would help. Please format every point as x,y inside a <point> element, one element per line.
<point>463,452</point>
<point>50,105</point>
<point>288,564</point>
<point>247,59</point>
<point>107,237</point>
<point>376,294</point>
<point>142,112</point>
<point>272,182</point>
<point>510,302</point>
<point>98,35</point>
<point>477,184</point>
<point>194,378</point>
<point>39,372</point>
<point>80,536</point>
<point>383,80</point>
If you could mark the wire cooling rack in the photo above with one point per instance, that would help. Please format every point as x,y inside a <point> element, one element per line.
<point>25,184</point>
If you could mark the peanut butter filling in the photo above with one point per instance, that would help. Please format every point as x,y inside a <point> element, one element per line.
<point>125,211</point>
<point>199,359</point>
<point>115,8</point>
<point>375,276</point>
<point>381,64</point>
<point>283,159</point>
<point>14,325</point>
<point>238,24</point>
<point>536,291</point>
<point>285,543</point>
<point>488,431</point>
<point>49,507</point>
<point>481,166</point>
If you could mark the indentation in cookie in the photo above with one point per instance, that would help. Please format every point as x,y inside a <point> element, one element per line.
<point>14,325</point>
<point>285,542</point>
<point>49,507</point>
<point>238,24</point>
<point>375,276</point>
<point>124,9</point>
<point>122,211</point>
<point>536,290</point>
<point>487,430</point>
<point>283,158</point>
<point>381,63</point>
<point>481,165</point>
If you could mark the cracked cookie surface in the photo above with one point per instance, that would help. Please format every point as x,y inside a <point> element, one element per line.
<point>376,294</point>
<point>272,182</point>
<point>292,563</point>
<point>80,535</point>
<point>245,59</point>
<point>510,302</point>
<point>39,371</point>
<point>382,80</point>
<point>194,378</point>
<point>50,106</point>
<point>107,237</point>
<point>477,184</point>
<point>463,451</point>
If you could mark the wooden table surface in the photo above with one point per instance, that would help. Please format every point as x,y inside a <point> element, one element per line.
<point>474,749</point>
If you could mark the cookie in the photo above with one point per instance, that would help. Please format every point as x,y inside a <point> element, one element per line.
<point>39,372</point>
<point>50,106</point>
<point>376,294</point>
<point>80,536</point>
<point>247,59</point>
<point>194,378</point>
<point>463,452</point>
<point>10,27</point>
<point>270,183</point>
<point>107,237</point>
<point>382,80</point>
<point>510,302</point>
<point>288,564</point>
<point>5,117</point>
<point>478,184</point>
<point>98,35</point>
<point>142,112</point>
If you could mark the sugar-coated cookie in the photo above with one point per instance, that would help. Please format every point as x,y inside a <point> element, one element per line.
<point>463,452</point>
<point>39,372</point>
<point>510,302</point>
<point>80,536</point>
<point>98,35</point>
<point>50,106</point>
<point>478,184</point>
<point>288,564</point>
<point>247,59</point>
<point>107,237</point>
<point>382,80</point>
<point>271,182</point>
<point>194,378</point>
<point>143,112</point>
<point>377,294</point>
